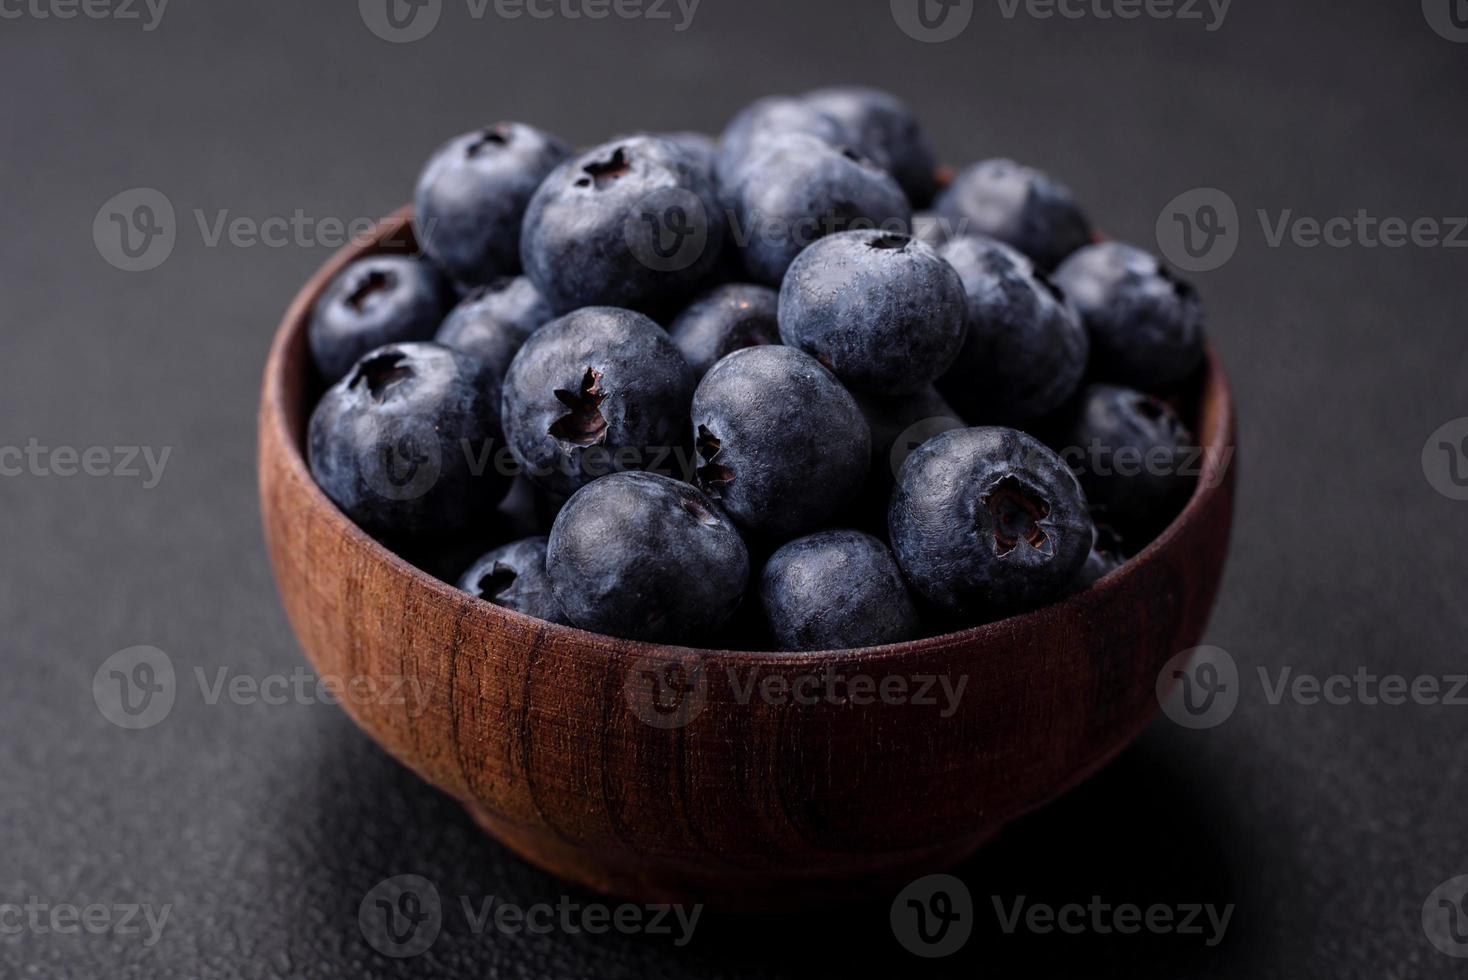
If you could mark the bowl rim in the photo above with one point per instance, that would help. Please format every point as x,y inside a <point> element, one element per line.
<point>1214,428</point>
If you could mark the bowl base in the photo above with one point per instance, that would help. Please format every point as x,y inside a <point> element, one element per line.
<point>751,893</point>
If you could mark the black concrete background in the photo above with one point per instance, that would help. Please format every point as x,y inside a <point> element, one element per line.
<point>263,827</point>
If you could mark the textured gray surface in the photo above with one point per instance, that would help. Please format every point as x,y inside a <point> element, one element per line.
<point>264,826</point>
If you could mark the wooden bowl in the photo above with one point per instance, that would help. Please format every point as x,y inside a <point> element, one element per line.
<point>658,773</point>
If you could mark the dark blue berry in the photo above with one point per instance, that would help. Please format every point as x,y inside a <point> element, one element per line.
<point>1026,349</point>
<point>1107,555</point>
<point>724,320</point>
<point>899,425</point>
<point>763,120</point>
<point>399,443</point>
<point>492,322</point>
<point>1146,324</point>
<point>988,520</point>
<point>931,228</point>
<point>781,445</point>
<point>645,557</point>
<point>796,189</point>
<point>634,223</point>
<point>882,310</point>
<point>383,299</point>
<point>888,128</point>
<point>472,196</point>
<point>598,391</point>
<point>836,590</point>
<point>1018,205</point>
<point>700,147</point>
<point>513,576</point>
<point>1134,458</point>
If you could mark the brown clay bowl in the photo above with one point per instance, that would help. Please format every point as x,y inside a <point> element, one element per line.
<point>657,773</point>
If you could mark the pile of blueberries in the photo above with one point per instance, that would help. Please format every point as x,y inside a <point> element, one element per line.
<point>777,390</point>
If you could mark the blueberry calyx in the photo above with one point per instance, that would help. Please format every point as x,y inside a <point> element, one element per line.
<point>499,581</point>
<point>713,476</point>
<point>1017,511</point>
<point>373,283</point>
<point>583,424</point>
<point>700,513</point>
<point>891,242</point>
<point>382,372</point>
<point>604,172</point>
<point>496,135</point>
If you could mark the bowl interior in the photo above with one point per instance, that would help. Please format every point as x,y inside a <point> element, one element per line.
<point>291,391</point>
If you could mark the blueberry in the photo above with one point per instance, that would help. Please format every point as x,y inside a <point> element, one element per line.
<point>1146,324</point>
<point>513,576</point>
<point>883,123</point>
<point>382,299</point>
<point>472,196</point>
<point>763,120</point>
<point>1018,205</point>
<point>882,310</point>
<point>1133,456</point>
<point>797,189</point>
<point>931,228</point>
<point>1026,349</point>
<point>633,223</point>
<point>645,557</point>
<point>700,147</point>
<point>1107,555</point>
<point>781,445</point>
<point>493,321</point>
<point>723,320</point>
<point>394,444</point>
<point>595,392</point>
<point>836,590</point>
<point>988,519</point>
<point>899,425</point>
